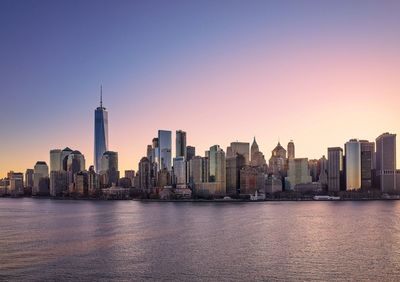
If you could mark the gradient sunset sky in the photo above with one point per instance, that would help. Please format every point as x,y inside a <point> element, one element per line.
<point>317,72</point>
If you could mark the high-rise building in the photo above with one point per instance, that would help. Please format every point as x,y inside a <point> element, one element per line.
<point>144,175</point>
<point>81,183</point>
<point>386,162</point>
<point>254,149</point>
<point>93,182</point>
<point>40,176</point>
<point>75,162</point>
<point>180,143</point>
<point>367,163</point>
<point>196,171</point>
<point>298,173</point>
<point>252,179</point>
<point>16,180</point>
<point>323,171</point>
<point>218,169</point>
<point>290,150</point>
<point>64,158</point>
<point>180,179</point>
<point>164,143</point>
<point>58,183</point>
<point>257,158</point>
<point>55,160</point>
<point>335,168</point>
<point>100,133</point>
<point>190,152</point>
<point>242,148</point>
<point>313,167</point>
<point>277,162</point>
<point>130,174</point>
<point>109,168</point>
<point>233,167</point>
<point>29,178</point>
<point>353,164</point>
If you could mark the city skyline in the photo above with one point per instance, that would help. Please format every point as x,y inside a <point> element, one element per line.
<point>324,75</point>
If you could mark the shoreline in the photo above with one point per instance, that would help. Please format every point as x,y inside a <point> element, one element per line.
<point>204,200</point>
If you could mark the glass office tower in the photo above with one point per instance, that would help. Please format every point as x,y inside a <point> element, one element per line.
<point>100,133</point>
<point>353,164</point>
<point>164,148</point>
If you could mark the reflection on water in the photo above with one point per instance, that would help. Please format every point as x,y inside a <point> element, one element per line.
<point>44,239</point>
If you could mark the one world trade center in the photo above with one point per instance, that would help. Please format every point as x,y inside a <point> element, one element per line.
<point>100,133</point>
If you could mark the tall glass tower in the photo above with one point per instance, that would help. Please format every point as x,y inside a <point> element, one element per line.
<point>100,133</point>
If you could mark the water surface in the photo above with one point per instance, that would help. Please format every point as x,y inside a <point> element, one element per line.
<point>42,239</point>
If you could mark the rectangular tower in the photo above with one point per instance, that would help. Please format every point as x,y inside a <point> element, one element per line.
<point>335,167</point>
<point>386,162</point>
<point>100,133</point>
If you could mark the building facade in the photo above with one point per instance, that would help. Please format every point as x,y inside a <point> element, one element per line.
<point>386,162</point>
<point>353,164</point>
<point>335,168</point>
<point>100,133</point>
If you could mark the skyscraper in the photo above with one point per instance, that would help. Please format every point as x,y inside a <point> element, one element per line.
<point>100,133</point>
<point>290,150</point>
<point>190,152</point>
<point>40,178</point>
<point>298,173</point>
<point>353,164</point>
<point>367,163</point>
<point>109,167</point>
<point>242,148</point>
<point>75,162</point>
<point>180,144</point>
<point>257,157</point>
<point>218,169</point>
<point>277,162</point>
<point>386,162</point>
<point>335,168</point>
<point>55,160</point>
<point>180,172</point>
<point>233,167</point>
<point>164,148</point>
<point>29,178</point>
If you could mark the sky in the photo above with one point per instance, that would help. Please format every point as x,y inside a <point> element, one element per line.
<point>317,72</point>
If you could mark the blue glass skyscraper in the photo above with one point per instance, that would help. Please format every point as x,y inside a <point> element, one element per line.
<point>100,133</point>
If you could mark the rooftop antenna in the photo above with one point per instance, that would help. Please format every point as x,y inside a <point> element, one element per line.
<point>101,96</point>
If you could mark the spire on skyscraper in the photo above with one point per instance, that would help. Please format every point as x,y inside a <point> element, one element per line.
<point>101,96</point>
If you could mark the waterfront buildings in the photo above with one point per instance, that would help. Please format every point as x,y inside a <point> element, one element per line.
<point>290,150</point>
<point>252,180</point>
<point>100,133</point>
<point>180,144</point>
<point>196,174</point>
<point>144,175</point>
<point>367,163</point>
<point>55,160</point>
<point>130,174</point>
<point>109,169</point>
<point>335,168</point>
<point>273,184</point>
<point>386,162</point>
<point>257,157</point>
<point>190,152</point>
<point>277,162</point>
<point>323,171</point>
<point>353,164</point>
<point>233,166</point>
<point>180,179</point>
<point>29,178</point>
<point>164,149</point>
<point>298,173</point>
<point>40,179</point>
<point>242,148</point>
